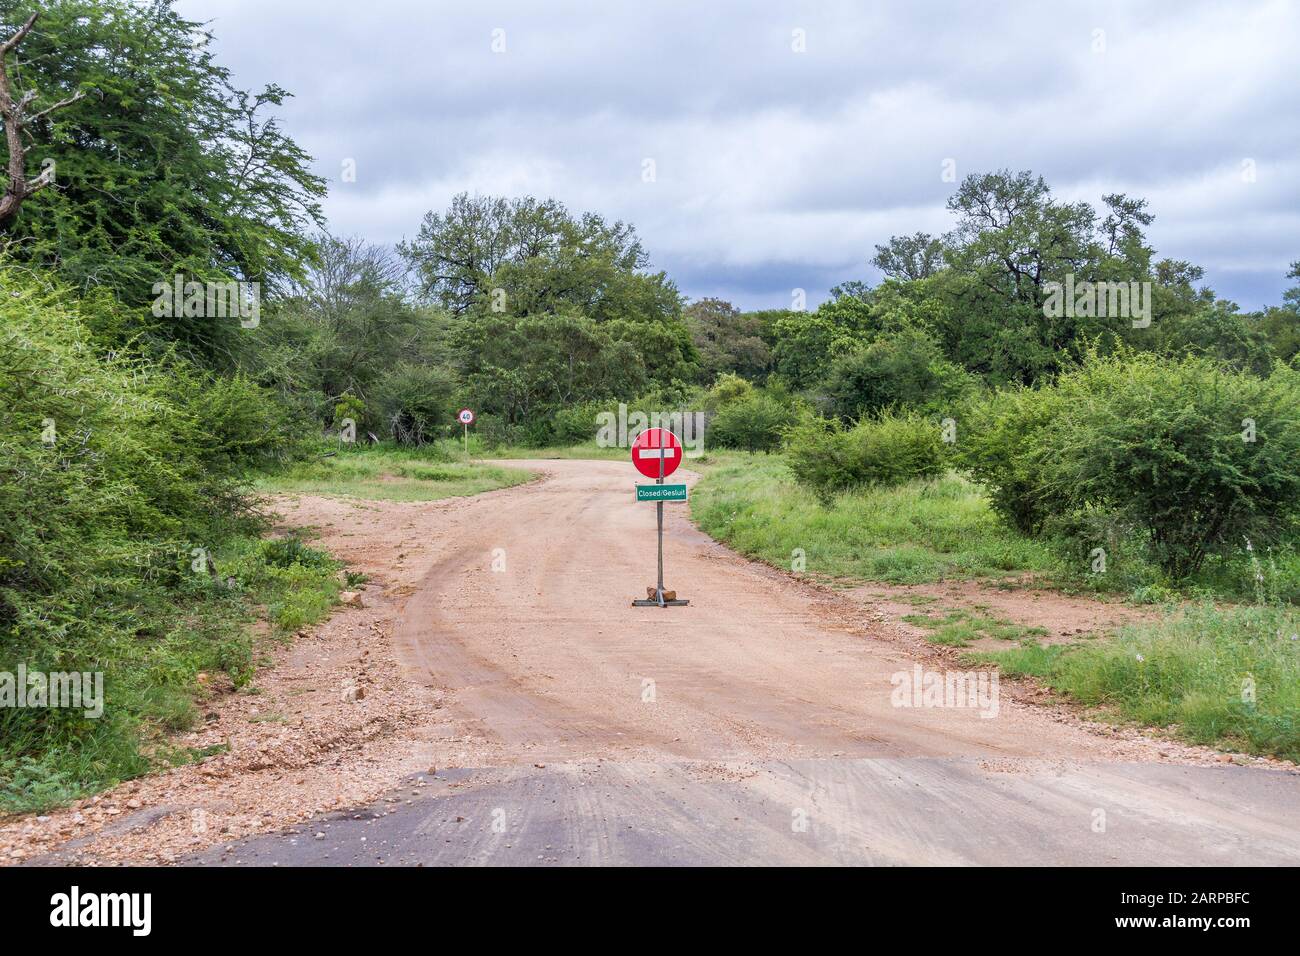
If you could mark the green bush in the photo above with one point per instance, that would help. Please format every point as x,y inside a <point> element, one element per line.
<point>577,424</point>
<point>1164,443</point>
<point>820,456</point>
<point>1003,443</point>
<point>237,423</point>
<point>1198,459</point>
<point>828,457</point>
<point>289,551</point>
<point>727,389</point>
<point>349,407</point>
<point>120,489</point>
<point>417,402</point>
<point>906,370</point>
<point>754,423</point>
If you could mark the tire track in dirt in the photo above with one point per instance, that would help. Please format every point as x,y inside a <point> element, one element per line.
<point>606,733</point>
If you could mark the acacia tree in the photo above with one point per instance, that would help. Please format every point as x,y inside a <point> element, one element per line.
<point>991,275</point>
<point>18,120</point>
<point>492,262</point>
<point>163,167</point>
<point>910,258</point>
<point>539,254</point>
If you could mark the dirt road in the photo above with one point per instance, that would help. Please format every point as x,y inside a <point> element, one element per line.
<point>758,725</point>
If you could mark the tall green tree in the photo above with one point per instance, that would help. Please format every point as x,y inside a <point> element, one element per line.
<point>489,258</point>
<point>344,327</point>
<point>727,340</point>
<point>524,368</point>
<point>161,167</point>
<point>994,272</point>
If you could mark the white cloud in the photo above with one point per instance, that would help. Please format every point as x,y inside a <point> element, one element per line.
<point>777,168</point>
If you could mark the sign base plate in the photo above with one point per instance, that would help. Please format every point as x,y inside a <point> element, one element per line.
<point>659,597</point>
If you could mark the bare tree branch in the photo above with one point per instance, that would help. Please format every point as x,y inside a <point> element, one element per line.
<point>12,43</point>
<point>68,101</point>
<point>16,119</point>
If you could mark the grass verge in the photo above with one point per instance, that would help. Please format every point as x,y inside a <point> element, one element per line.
<point>914,533</point>
<point>390,473</point>
<point>182,634</point>
<point>1224,677</point>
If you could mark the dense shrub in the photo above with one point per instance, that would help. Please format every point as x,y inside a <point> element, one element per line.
<point>1166,443</point>
<point>1002,441</point>
<point>120,480</point>
<point>906,370</point>
<point>417,402</point>
<point>828,457</point>
<point>753,423</point>
<point>577,424</point>
<point>727,389</point>
<point>347,409</point>
<point>237,424</point>
<point>1199,458</point>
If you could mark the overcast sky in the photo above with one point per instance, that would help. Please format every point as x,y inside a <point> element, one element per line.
<point>775,169</point>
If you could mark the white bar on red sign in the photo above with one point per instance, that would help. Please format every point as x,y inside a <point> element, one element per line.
<point>655,452</point>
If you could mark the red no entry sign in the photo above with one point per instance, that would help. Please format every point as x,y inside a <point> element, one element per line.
<point>656,453</point>
<point>655,445</point>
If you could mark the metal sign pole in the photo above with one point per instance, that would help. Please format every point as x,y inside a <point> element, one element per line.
<point>660,598</point>
<point>659,506</point>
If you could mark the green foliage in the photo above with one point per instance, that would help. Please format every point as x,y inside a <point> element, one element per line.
<point>829,458</point>
<point>577,424</point>
<point>347,335</point>
<point>120,502</point>
<point>807,342</point>
<point>164,167</point>
<point>417,402</point>
<point>910,258</point>
<point>902,370</point>
<point>727,340</point>
<point>348,408</point>
<point>237,424</point>
<point>523,369</point>
<point>529,265</point>
<point>546,258</point>
<point>1200,458</point>
<point>1228,677</point>
<point>1165,443</point>
<point>755,422</point>
<point>1218,332</point>
<point>290,551</point>
<point>727,389</point>
<point>1002,442</point>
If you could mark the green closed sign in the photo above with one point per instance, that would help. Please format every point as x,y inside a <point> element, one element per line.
<point>660,492</point>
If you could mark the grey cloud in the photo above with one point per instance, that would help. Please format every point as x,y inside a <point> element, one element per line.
<point>777,169</point>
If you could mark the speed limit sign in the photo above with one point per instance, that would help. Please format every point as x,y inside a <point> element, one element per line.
<point>466,418</point>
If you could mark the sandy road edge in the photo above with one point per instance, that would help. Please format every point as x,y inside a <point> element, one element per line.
<point>334,723</point>
<point>367,726</point>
